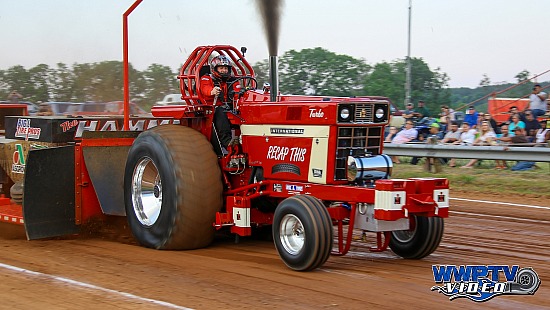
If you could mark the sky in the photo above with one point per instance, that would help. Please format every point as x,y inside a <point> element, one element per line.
<point>464,38</point>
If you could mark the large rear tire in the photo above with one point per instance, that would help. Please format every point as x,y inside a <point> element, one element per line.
<point>302,232</point>
<point>421,240</point>
<point>172,188</point>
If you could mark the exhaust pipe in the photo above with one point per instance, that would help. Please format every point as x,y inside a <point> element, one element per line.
<point>273,78</point>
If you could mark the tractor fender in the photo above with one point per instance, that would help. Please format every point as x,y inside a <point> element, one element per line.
<point>105,155</point>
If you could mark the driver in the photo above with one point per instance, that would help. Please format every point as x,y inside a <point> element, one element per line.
<point>213,88</point>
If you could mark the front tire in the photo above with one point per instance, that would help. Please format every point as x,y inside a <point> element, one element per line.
<point>302,232</point>
<point>421,240</point>
<point>172,188</point>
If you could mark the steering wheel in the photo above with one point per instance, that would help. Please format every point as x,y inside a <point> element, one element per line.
<point>251,82</point>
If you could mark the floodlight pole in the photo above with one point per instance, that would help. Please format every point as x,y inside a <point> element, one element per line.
<point>125,63</point>
<point>408,75</point>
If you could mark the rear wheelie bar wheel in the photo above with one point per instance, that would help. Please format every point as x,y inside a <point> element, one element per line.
<point>421,240</point>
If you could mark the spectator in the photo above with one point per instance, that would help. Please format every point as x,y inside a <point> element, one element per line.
<point>467,136</point>
<point>452,116</point>
<point>543,134</point>
<point>480,118</point>
<point>523,166</point>
<point>451,137</point>
<point>44,109</point>
<point>504,132</point>
<point>515,123</point>
<point>512,139</point>
<point>408,134</point>
<point>538,102</point>
<point>422,111</point>
<point>453,134</point>
<point>471,117</point>
<point>14,97</point>
<point>445,118</point>
<point>514,110</point>
<point>501,164</point>
<point>391,134</point>
<point>531,125</point>
<point>492,123</point>
<point>435,132</point>
<point>434,135</point>
<point>409,112</point>
<point>486,137</point>
<point>518,139</point>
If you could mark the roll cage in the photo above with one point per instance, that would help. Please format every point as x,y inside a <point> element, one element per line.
<point>198,64</point>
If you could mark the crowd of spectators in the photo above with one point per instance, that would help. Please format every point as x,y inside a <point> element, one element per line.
<point>477,128</point>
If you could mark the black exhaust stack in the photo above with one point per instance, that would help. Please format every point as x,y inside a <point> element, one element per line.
<point>270,10</point>
<point>273,78</point>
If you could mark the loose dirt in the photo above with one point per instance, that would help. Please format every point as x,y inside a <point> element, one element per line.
<point>250,275</point>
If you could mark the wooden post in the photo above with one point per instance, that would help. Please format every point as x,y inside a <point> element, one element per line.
<point>432,163</point>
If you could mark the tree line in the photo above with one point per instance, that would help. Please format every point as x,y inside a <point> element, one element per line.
<point>99,82</point>
<point>314,71</point>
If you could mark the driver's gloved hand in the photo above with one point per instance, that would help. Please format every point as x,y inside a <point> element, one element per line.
<point>215,91</point>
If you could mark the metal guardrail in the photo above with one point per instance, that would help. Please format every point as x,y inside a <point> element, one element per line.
<point>536,154</point>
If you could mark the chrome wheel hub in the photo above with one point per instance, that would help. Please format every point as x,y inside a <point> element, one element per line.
<point>146,192</point>
<point>405,236</point>
<point>292,234</point>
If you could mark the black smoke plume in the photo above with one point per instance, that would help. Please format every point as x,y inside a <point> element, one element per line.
<point>271,16</point>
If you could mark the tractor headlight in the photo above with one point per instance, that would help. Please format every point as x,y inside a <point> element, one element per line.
<point>345,113</point>
<point>379,113</point>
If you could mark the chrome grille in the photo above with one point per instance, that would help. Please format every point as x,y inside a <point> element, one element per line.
<point>355,141</point>
<point>364,113</point>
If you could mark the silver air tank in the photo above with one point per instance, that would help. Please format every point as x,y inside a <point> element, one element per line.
<point>367,167</point>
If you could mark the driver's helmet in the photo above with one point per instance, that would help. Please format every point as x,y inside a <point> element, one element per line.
<point>220,60</point>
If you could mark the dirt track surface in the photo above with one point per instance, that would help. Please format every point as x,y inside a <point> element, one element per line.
<point>111,272</point>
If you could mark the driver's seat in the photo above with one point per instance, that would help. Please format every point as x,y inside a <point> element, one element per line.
<point>204,70</point>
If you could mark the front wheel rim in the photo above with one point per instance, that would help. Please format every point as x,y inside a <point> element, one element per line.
<point>405,236</point>
<point>146,192</point>
<point>292,234</point>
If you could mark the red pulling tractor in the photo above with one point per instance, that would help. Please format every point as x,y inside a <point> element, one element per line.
<point>304,165</point>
